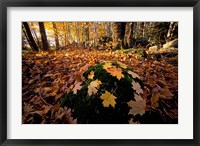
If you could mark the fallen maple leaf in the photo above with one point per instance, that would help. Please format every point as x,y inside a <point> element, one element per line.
<point>94,85</point>
<point>54,91</point>
<point>137,87</point>
<point>108,99</point>
<point>166,93</point>
<point>46,89</point>
<point>154,100</point>
<point>134,75</point>
<point>77,87</point>
<point>107,65</point>
<point>91,75</point>
<point>122,65</point>
<point>137,106</point>
<point>27,108</point>
<point>116,72</point>
<point>58,96</point>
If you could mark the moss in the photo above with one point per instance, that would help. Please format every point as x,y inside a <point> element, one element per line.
<point>142,53</point>
<point>89,109</point>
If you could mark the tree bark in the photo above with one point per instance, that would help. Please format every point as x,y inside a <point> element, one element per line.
<point>56,35</point>
<point>86,34</point>
<point>30,37</point>
<point>170,31</point>
<point>118,29</point>
<point>43,36</point>
<point>128,38</point>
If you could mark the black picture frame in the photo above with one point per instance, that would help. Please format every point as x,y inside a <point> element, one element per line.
<point>4,4</point>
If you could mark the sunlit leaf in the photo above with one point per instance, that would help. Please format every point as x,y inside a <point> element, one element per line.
<point>108,99</point>
<point>93,86</point>
<point>116,72</point>
<point>91,75</point>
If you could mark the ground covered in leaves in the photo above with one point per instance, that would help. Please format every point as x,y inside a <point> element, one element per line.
<point>48,76</point>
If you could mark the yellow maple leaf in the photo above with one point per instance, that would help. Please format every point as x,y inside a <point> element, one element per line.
<point>122,65</point>
<point>116,72</point>
<point>91,75</point>
<point>138,106</point>
<point>77,87</point>
<point>134,75</point>
<point>154,100</point>
<point>94,85</point>
<point>137,87</point>
<point>107,65</point>
<point>108,99</point>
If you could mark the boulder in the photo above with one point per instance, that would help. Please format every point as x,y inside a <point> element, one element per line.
<point>169,49</point>
<point>153,49</point>
<point>110,93</point>
<point>171,44</point>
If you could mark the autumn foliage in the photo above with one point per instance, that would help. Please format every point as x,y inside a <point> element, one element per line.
<point>99,73</point>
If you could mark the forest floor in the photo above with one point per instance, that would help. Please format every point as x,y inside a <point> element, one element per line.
<point>48,76</point>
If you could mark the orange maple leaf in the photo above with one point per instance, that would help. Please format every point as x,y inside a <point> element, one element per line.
<point>116,72</point>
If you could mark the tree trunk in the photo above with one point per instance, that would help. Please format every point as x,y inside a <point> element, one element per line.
<point>76,31</point>
<point>56,35</point>
<point>118,29</point>
<point>86,34</point>
<point>69,37</point>
<point>43,36</point>
<point>170,31</point>
<point>30,37</point>
<point>143,29</point>
<point>38,42</point>
<point>65,31</point>
<point>108,29</point>
<point>128,38</point>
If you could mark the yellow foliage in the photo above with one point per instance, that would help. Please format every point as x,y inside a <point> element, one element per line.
<point>107,65</point>
<point>122,65</point>
<point>108,99</point>
<point>91,75</point>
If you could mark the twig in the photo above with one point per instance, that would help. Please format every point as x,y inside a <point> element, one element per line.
<point>44,99</point>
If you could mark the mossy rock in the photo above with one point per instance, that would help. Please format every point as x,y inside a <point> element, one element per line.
<point>142,53</point>
<point>104,95</point>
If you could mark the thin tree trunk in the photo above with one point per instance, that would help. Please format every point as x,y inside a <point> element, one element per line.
<point>68,33</point>
<point>65,35</point>
<point>38,42</point>
<point>30,37</point>
<point>86,34</point>
<point>170,31</point>
<point>143,29</point>
<point>24,36</point>
<point>56,35</point>
<point>96,34</point>
<point>43,36</point>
